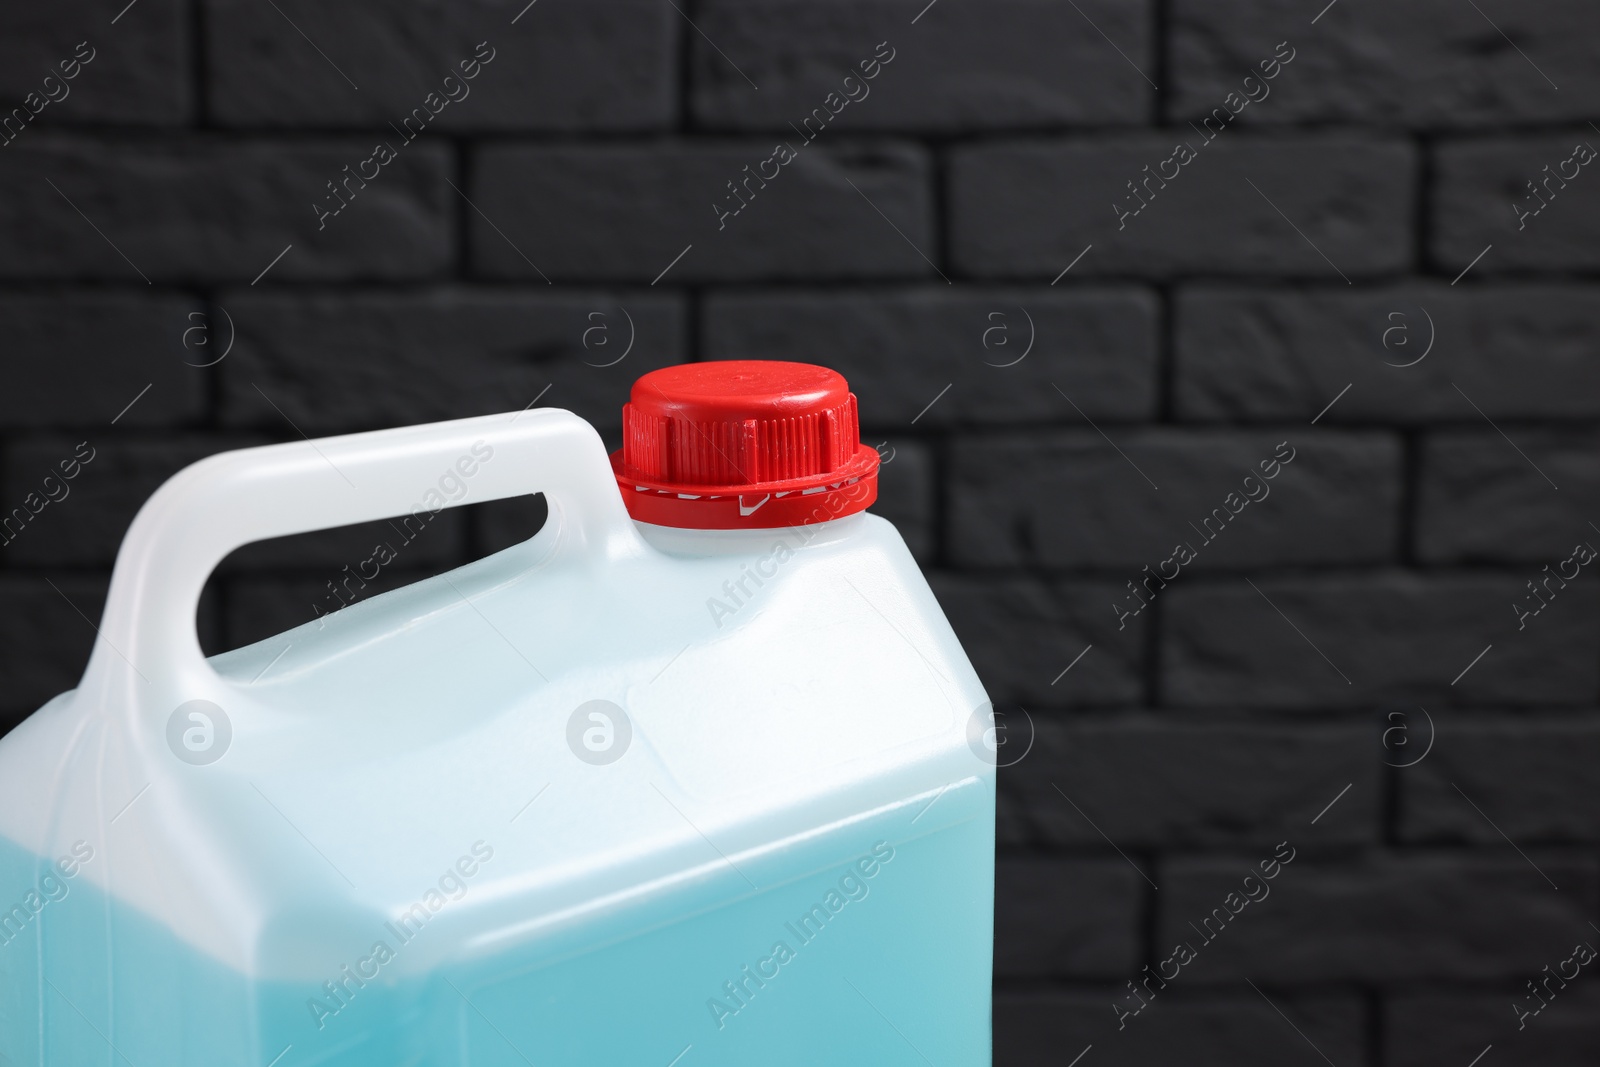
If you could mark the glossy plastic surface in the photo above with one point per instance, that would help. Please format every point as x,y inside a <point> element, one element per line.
<point>410,852</point>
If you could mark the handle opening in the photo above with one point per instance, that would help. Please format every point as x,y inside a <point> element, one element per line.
<point>266,587</point>
<point>149,658</point>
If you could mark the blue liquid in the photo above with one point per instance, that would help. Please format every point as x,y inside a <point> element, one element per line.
<point>898,974</point>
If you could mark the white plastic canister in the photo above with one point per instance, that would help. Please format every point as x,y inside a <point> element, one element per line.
<point>709,785</point>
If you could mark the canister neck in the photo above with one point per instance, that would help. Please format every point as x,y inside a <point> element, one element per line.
<point>677,541</point>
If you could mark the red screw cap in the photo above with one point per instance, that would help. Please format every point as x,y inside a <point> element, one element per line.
<point>743,444</point>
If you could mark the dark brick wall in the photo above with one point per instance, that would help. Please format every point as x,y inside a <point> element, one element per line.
<point>1272,289</point>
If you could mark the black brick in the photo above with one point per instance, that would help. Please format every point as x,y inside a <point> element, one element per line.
<point>1049,1029</point>
<point>137,71</point>
<point>79,359</point>
<point>998,350</point>
<point>1023,633</point>
<point>1011,823</point>
<point>1074,500</point>
<point>1066,918</point>
<point>628,211</point>
<point>564,65</point>
<point>337,362</point>
<point>1534,780</point>
<point>1433,1028</point>
<point>1383,920</point>
<point>1425,63</point>
<point>1481,498</point>
<point>1152,782</point>
<point>212,209</point>
<point>1262,354</point>
<point>1482,189</point>
<point>1028,209</point>
<point>1395,636</point>
<point>1005,64</point>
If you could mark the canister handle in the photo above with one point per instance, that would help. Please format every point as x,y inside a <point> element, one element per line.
<point>148,653</point>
